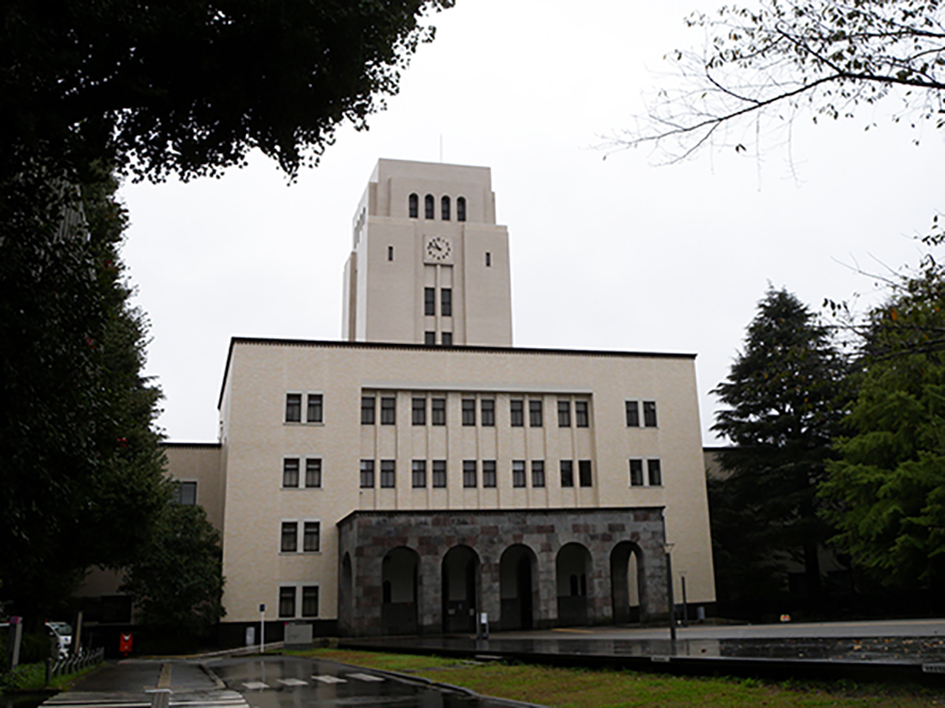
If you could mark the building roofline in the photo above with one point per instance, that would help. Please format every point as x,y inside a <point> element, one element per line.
<point>404,346</point>
<point>168,443</point>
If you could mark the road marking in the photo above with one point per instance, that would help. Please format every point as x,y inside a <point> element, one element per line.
<point>164,681</point>
<point>293,682</point>
<point>575,631</point>
<point>255,685</point>
<point>365,677</point>
<point>329,679</point>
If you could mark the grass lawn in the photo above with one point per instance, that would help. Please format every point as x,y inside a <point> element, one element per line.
<point>585,688</point>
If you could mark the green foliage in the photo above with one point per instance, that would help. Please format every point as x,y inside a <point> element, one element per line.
<point>176,580</point>
<point>783,397</point>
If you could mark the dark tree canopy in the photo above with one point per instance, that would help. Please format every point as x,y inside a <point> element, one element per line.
<point>783,404</point>
<point>188,87</point>
<point>784,57</point>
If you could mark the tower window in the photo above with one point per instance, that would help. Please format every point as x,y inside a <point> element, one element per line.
<point>446,339</point>
<point>419,411</point>
<point>584,473</point>
<point>534,413</point>
<point>518,473</point>
<point>488,411</point>
<point>390,253</point>
<point>488,473</point>
<point>581,417</point>
<point>293,407</point>
<point>488,259</point>
<point>419,474</point>
<point>649,414</point>
<point>429,338</point>
<point>460,208</point>
<point>446,302</point>
<point>567,473</point>
<point>517,412</point>
<point>429,301</point>
<point>469,411</point>
<point>388,410</point>
<point>438,411</point>
<point>388,474</point>
<point>367,410</point>
<point>413,206</point>
<point>633,414</point>
<point>469,473</point>
<point>654,473</point>
<point>439,473</point>
<point>564,414</point>
<point>428,207</point>
<point>445,208</point>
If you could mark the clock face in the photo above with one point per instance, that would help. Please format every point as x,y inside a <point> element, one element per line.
<point>438,249</point>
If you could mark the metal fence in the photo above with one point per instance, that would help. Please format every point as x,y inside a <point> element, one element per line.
<point>59,667</point>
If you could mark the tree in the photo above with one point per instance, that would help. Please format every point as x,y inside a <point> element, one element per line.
<point>825,56</point>
<point>887,489</point>
<point>783,395</point>
<point>176,580</point>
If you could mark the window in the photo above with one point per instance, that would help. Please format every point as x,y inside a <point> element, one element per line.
<point>460,208</point>
<point>311,536</point>
<point>293,407</point>
<point>313,413</point>
<point>567,473</point>
<point>538,473</point>
<point>488,259</point>
<point>438,411</point>
<point>388,474</point>
<point>413,206</point>
<point>290,472</point>
<point>447,339</point>
<point>518,473</point>
<point>649,414</point>
<point>186,493</point>
<point>469,411</point>
<point>313,472</point>
<point>633,414</point>
<point>580,414</point>
<point>534,413</point>
<point>289,542</point>
<point>516,409</point>
<point>488,411</point>
<point>367,410</point>
<point>287,602</point>
<point>445,208</point>
<point>428,206</point>
<point>310,601</point>
<point>654,473</point>
<point>429,338</point>
<point>439,473</point>
<point>564,414</point>
<point>418,475</point>
<point>388,410</point>
<point>584,473</point>
<point>367,474</point>
<point>429,301</point>
<point>390,253</point>
<point>469,473</point>
<point>488,473</point>
<point>636,473</point>
<point>419,414</point>
<point>446,302</point>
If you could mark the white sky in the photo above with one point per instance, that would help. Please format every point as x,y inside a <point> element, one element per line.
<point>618,254</point>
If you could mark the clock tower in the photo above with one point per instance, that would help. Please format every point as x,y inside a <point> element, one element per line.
<point>428,263</point>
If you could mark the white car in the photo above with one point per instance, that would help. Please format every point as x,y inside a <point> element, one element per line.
<point>62,633</point>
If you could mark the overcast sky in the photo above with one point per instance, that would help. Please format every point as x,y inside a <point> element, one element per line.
<point>618,254</point>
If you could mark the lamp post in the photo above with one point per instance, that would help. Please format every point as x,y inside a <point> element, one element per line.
<point>669,594</point>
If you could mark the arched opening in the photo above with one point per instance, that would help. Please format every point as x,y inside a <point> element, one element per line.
<point>399,574</point>
<point>346,595</point>
<point>445,208</point>
<point>627,583</point>
<point>460,208</point>
<point>572,568</point>
<point>428,207</point>
<point>460,580</point>
<point>518,567</point>
<point>413,206</point>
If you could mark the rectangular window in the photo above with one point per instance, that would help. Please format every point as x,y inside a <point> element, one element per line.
<point>390,253</point>
<point>488,259</point>
<point>418,475</point>
<point>186,493</point>
<point>488,412</point>
<point>469,411</point>
<point>290,472</point>
<point>429,338</point>
<point>580,414</point>
<point>518,473</point>
<point>584,473</point>
<point>438,411</point>
<point>567,473</point>
<point>488,473</point>
<point>419,414</point>
<point>654,473</point>
<point>367,410</point>
<point>538,473</point>
<point>517,411</point>
<point>388,410</point>
<point>311,537</point>
<point>293,407</point>
<point>564,414</point>
<point>287,602</point>
<point>446,339</point>
<point>367,474</point>
<point>289,542</point>
<point>310,601</point>
<point>429,301</point>
<point>388,474</point>
<point>446,302</point>
<point>469,473</point>
<point>649,414</point>
<point>633,414</point>
<point>636,473</point>
<point>534,413</point>
<point>313,472</point>
<point>314,411</point>
<point>439,473</point>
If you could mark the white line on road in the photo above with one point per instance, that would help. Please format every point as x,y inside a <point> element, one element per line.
<point>329,679</point>
<point>366,677</point>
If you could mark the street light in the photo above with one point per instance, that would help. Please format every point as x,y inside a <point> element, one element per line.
<point>668,547</point>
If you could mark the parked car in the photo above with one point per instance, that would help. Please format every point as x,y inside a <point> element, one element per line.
<point>61,633</point>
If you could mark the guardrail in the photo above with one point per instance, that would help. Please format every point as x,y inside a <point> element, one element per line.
<point>58,667</point>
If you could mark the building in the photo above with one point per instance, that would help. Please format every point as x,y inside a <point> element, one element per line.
<point>422,470</point>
